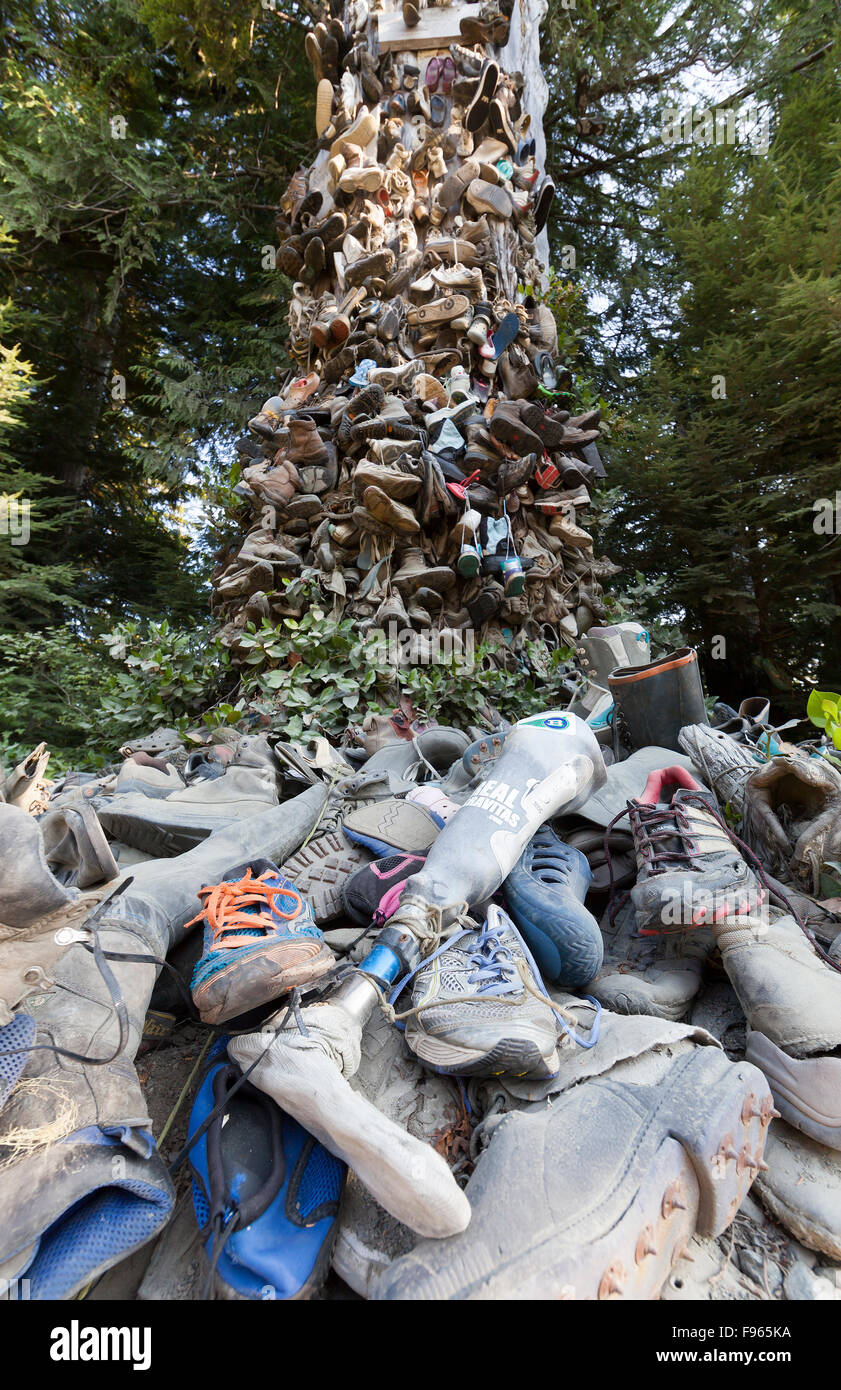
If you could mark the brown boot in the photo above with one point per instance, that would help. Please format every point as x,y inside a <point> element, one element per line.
<point>388,512</point>
<point>305,443</point>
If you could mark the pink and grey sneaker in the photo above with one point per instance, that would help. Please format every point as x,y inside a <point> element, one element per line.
<point>442,808</point>
<point>372,894</point>
<point>689,871</point>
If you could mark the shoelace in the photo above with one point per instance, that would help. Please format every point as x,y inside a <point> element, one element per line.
<point>496,970</point>
<point>654,827</point>
<point>753,860</point>
<point>225,905</point>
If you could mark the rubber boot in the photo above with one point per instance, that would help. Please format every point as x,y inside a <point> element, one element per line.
<point>549,762</point>
<point>654,702</point>
<point>95,1188</point>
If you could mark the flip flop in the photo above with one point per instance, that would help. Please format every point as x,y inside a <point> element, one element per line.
<point>505,334</point>
<point>448,75</point>
<point>433,72</point>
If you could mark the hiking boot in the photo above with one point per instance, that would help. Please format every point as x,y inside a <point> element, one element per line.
<point>398,483</point>
<point>475,1014</point>
<point>787,991</point>
<point>800,1184</point>
<point>593,1194</point>
<point>260,940</point>
<point>544,894</point>
<point>306,447</point>
<point>178,822</point>
<point>388,512</point>
<point>375,267</point>
<point>564,526</point>
<point>726,765</point>
<point>414,572</point>
<point>550,430</point>
<point>512,473</point>
<point>75,847</point>
<point>792,819</point>
<point>507,428</point>
<point>264,1190</point>
<point>658,976</point>
<point>453,186</point>
<point>689,871</point>
<point>30,890</point>
<point>490,199</point>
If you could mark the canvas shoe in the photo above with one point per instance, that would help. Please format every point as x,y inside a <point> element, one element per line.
<point>260,940</point>
<point>475,1015</point>
<point>689,871</point>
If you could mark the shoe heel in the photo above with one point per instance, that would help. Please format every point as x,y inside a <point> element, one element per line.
<point>721,1116</point>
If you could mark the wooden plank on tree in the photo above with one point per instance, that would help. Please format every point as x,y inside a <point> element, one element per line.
<point>439,26</point>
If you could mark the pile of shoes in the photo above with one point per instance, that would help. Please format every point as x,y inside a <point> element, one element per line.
<point>488,1012</point>
<point>423,463</point>
<point>613,1015</point>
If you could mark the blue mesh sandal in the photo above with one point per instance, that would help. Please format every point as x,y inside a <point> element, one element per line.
<point>545,893</point>
<point>266,1194</point>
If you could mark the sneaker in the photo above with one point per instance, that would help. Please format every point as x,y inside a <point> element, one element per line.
<point>476,1015</point>
<point>260,940</point>
<point>689,872</point>
<point>372,894</point>
<point>545,893</point>
<point>265,1192</point>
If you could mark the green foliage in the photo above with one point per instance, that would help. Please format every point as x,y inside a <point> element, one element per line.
<point>49,684</point>
<point>318,673</point>
<point>160,674</point>
<point>824,710</point>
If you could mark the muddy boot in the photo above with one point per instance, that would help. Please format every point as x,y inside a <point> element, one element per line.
<point>654,702</point>
<point>75,846</point>
<point>176,823</point>
<point>660,977</point>
<point>793,817</point>
<point>595,1195</point>
<point>29,889</point>
<point>81,1181</point>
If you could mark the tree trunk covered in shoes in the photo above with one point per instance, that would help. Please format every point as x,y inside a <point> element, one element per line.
<point>408,268</point>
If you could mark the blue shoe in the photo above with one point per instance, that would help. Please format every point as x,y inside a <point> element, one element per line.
<point>545,893</point>
<point>265,1192</point>
<point>260,940</point>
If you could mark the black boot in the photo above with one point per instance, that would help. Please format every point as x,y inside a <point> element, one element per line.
<point>654,702</point>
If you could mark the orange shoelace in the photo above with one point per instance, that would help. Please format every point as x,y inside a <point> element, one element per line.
<point>224,904</point>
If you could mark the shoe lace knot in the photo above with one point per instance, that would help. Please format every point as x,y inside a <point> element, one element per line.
<point>247,906</point>
<point>663,837</point>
